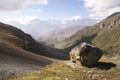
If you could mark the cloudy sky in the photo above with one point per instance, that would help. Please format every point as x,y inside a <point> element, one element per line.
<point>55,11</point>
<point>25,10</point>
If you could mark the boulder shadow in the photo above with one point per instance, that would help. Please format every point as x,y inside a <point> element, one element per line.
<point>104,65</point>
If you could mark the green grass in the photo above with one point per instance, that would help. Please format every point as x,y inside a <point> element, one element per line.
<point>104,38</point>
<point>108,40</point>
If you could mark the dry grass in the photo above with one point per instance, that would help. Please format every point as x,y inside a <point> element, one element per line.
<point>108,70</point>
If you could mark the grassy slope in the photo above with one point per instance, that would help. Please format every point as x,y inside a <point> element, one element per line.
<point>60,71</point>
<point>18,52</point>
<point>108,40</point>
<point>14,37</point>
<point>105,38</point>
<point>15,42</point>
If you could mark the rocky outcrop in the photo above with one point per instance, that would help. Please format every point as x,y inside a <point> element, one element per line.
<point>85,54</point>
<point>102,25</point>
<point>110,24</point>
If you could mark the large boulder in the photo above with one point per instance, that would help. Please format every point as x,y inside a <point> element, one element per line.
<point>85,54</point>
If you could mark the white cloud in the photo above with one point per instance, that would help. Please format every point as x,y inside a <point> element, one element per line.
<point>39,1</point>
<point>73,18</point>
<point>22,20</point>
<point>35,10</point>
<point>63,22</point>
<point>12,5</point>
<point>76,21</point>
<point>102,14</point>
<point>102,8</point>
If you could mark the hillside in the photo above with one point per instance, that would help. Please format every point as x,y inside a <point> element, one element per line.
<point>104,34</point>
<point>14,37</point>
<point>65,30</point>
<point>53,38</point>
<point>106,69</point>
<point>10,65</point>
<point>17,38</point>
<point>17,51</point>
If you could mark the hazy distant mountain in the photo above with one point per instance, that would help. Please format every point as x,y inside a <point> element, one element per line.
<point>38,28</point>
<point>35,27</point>
<point>59,34</point>
<point>66,31</point>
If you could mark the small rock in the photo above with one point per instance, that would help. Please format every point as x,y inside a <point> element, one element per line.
<point>85,71</point>
<point>89,76</point>
<point>89,72</point>
<point>66,79</point>
<point>94,77</point>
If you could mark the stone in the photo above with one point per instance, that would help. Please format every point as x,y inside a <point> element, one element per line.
<point>85,54</point>
<point>102,25</point>
<point>109,27</point>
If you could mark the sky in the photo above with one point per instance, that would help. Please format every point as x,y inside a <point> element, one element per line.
<point>54,11</point>
<point>25,10</point>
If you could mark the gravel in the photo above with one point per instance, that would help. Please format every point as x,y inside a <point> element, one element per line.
<point>15,66</point>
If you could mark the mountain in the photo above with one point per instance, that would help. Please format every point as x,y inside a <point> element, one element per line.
<point>61,33</point>
<point>35,27</point>
<point>39,28</point>
<point>15,40</point>
<point>19,52</point>
<point>105,35</point>
<point>10,35</point>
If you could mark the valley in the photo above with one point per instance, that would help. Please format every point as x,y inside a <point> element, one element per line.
<point>59,39</point>
<point>24,58</point>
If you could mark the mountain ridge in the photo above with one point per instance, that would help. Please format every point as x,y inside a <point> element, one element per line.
<point>104,34</point>
<point>12,36</point>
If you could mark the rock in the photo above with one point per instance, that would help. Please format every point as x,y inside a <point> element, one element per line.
<point>102,25</point>
<point>85,54</point>
<point>73,65</point>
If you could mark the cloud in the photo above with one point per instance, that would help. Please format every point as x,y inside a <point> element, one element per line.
<point>100,9</point>
<point>22,20</point>
<point>12,5</point>
<point>35,10</point>
<point>76,21</point>
<point>39,1</point>
<point>73,18</point>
